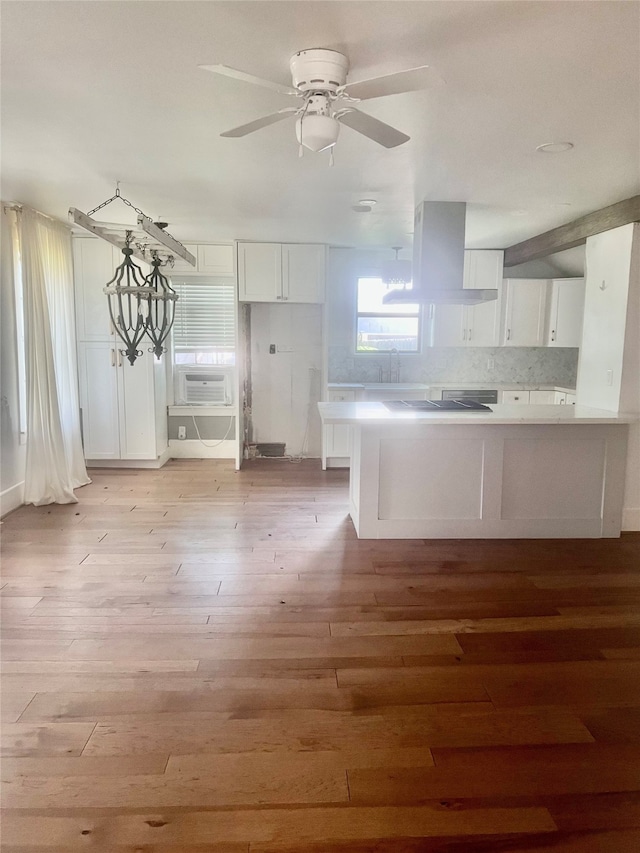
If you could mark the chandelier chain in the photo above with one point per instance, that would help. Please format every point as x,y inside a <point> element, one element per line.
<point>119,195</point>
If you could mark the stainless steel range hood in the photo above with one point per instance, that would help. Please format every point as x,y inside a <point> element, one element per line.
<point>438,259</point>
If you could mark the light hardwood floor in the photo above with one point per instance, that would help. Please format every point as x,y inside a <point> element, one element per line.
<point>201,660</point>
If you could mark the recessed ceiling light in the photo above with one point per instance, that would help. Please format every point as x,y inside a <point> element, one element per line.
<point>554,147</point>
<point>368,201</point>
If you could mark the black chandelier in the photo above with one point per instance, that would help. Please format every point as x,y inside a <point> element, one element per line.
<point>140,306</point>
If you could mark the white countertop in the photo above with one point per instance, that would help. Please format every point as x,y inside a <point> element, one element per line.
<point>377,414</point>
<point>381,386</point>
<point>421,386</point>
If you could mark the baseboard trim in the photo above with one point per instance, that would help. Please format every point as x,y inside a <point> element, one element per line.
<point>164,457</point>
<point>631,519</point>
<point>11,499</point>
<point>191,448</point>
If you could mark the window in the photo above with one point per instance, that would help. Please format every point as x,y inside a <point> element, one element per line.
<point>204,329</point>
<point>381,327</point>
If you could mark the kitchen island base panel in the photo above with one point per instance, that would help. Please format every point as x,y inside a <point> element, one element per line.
<point>484,482</point>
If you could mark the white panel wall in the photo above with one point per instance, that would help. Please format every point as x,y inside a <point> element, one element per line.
<point>286,385</point>
<point>609,368</point>
<point>608,267</point>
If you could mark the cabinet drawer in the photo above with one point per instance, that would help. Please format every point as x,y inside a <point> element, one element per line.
<point>515,396</point>
<point>342,396</point>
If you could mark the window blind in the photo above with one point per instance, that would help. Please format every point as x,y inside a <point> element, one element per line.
<point>205,315</point>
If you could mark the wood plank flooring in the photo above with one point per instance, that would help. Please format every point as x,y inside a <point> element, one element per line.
<point>196,659</point>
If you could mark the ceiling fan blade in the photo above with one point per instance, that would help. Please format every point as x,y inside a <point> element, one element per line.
<point>245,129</point>
<point>249,78</point>
<point>375,129</point>
<point>410,80</point>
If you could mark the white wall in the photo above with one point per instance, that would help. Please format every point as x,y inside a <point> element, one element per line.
<point>12,453</point>
<point>609,367</point>
<point>286,385</point>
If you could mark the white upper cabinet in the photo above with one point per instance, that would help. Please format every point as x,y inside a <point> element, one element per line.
<point>259,272</point>
<point>566,312</point>
<point>448,325</point>
<point>287,272</point>
<point>523,306</point>
<point>471,325</point>
<point>211,259</point>
<point>303,272</point>
<point>216,259</point>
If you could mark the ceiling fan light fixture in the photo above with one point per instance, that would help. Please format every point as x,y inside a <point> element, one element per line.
<point>317,132</point>
<point>554,147</point>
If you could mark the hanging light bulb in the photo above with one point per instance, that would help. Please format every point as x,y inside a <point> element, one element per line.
<point>161,307</point>
<point>397,273</point>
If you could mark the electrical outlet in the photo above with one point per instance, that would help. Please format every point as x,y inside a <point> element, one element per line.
<point>272,349</point>
<point>609,377</point>
<point>182,433</point>
<point>491,364</point>
<point>285,348</point>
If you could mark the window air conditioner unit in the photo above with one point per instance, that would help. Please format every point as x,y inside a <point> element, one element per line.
<point>198,386</point>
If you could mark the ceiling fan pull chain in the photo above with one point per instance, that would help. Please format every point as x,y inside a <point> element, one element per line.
<point>300,151</point>
<point>331,157</point>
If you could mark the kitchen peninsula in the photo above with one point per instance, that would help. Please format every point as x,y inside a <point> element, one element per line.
<point>547,472</point>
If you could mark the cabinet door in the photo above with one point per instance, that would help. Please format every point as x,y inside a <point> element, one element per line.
<point>543,398</point>
<point>525,301</point>
<point>180,265</point>
<point>216,260</point>
<point>448,326</point>
<point>94,263</point>
<point>483,324</point>
<point>303,271</point>
<point>97,379</point>
<point>483,268</point>
<point>136,407</point>
<point>338,440</point>
<point>567,310</point>
<point>259,272</point>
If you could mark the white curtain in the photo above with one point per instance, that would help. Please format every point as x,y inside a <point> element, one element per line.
<point>55,460</point>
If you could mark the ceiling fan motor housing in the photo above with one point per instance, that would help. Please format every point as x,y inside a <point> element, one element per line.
<point>319,70</point>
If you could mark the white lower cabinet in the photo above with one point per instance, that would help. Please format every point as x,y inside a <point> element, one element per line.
<point>547,397</point>
<point>123,406</point>
<point>336,438</point>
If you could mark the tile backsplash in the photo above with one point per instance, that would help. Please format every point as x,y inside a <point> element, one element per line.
<point>493,365</point>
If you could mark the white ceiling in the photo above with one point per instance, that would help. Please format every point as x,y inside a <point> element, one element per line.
<point>95,92</point>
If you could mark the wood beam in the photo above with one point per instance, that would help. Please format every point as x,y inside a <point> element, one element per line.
<point>574,233</point>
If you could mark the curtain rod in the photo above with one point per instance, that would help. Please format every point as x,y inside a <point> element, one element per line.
<point>18,208</point>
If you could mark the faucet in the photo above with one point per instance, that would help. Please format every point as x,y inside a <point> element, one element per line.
<point>392,373</point>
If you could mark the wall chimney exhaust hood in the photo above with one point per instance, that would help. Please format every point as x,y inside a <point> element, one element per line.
<point>438,259</point>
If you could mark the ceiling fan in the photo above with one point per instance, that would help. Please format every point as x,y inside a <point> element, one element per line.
<point>320,81</point>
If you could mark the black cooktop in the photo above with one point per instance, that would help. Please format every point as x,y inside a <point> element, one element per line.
<point>435,406</point>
